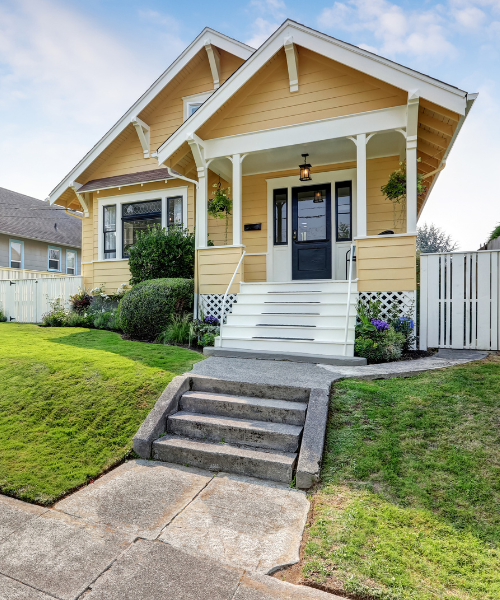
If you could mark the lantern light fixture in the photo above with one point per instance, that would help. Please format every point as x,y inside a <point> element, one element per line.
<point>305,169</point>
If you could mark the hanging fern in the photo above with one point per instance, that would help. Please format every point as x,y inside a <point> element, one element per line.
<point>395,189</point>
<point>220,206</point>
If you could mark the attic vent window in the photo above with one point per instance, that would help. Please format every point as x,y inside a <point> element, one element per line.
<point>193,107</point>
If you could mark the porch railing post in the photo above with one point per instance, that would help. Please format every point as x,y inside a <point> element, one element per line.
<point>237,200</point>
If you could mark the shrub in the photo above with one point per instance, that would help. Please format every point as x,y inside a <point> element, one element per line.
<point>207,340</point>
<point>57,315</point>
<point>206,330</point>
<point>3,318</point>
<point>147,309</point>
<point>106,320</point>
<point>162,253</point>
<point>178,331</point>
<point>369,349</point>
<point>79,319</point>
<point>392,343</point>
<point>80,301</point>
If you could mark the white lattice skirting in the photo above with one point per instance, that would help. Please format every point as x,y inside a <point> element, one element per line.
<point>404,300</point>
<point>211,304</point>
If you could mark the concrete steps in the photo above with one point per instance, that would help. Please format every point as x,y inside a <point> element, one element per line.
<point>254,436</point>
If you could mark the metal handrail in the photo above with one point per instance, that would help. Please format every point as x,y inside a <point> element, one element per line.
<point>353,246</point>
<point>225,296</point>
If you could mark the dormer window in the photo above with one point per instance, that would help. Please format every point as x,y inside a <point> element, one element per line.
<point>193,103</point>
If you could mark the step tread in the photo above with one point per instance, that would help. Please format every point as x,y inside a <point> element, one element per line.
<point>285,326</point>
<point>261,402</point>
<point>287,458</point>
<point>244,424</point>
<point>328,342</point>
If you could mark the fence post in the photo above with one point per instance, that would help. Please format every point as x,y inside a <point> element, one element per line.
<point>423,303</point>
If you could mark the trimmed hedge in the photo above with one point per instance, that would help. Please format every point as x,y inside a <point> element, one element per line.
<point>148,307</point>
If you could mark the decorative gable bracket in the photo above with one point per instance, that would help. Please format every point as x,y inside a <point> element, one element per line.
<point>292,60</point>
<point>144,133</point>
<point>75,186</point>
<point>214,60</point>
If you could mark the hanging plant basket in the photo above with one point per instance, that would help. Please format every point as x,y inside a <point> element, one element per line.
<point>221,205</point>
<point>395,191</point>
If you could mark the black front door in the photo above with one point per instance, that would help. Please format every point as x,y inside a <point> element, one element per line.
<point>311,232</point>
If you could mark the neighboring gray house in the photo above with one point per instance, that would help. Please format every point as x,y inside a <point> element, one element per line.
<point>37,236</point>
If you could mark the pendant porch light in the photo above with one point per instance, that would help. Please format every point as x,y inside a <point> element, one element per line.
<point>305,169</point>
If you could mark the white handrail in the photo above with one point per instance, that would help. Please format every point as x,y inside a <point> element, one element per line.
<point>353,246</point>
<point>225,296</point>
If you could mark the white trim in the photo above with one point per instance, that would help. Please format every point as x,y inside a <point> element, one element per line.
<point>352,56</point>
<point>391,235</point>
<point>75,253</point>
<point>144,133</point>
<point>27,237</point>
<point>293,181</point>
<point>377,121</point>
<point>162,195</point>
<point>193,99</point>
<point>220,40</point>
<point>292,61</point>
<point>214,62</point>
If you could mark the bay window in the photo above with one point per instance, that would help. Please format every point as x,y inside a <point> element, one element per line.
<point>136,217</point>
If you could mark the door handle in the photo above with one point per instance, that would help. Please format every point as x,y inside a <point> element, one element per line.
<point>294,234</point>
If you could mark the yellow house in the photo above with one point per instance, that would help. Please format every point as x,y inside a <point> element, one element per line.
<point>226,112</point>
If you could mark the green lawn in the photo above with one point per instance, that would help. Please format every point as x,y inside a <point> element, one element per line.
<point>71,400</point>
<point>409,505</point>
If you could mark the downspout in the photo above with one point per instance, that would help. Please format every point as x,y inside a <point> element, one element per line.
<point>176,175</point>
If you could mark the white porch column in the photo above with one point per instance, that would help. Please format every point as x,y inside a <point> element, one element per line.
<point>201,235</point>
<point>361,184</point>
<point>411,162</point>
<point>237,200</point>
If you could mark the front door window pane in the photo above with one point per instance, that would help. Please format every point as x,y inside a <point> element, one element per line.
<point>280,217</point>
<point>174,211</point>
<point>16,255</point>
<point>344,212</point>
<point>311,213</point>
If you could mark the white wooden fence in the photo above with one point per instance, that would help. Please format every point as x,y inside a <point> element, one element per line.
<point>26,300</point>
<point>8,273</point>
<point>460,300</point>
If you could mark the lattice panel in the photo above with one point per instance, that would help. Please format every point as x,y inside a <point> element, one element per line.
<point>211,304</point>
<point>402,299</point>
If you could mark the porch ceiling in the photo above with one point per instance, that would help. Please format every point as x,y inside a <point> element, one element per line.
<point>325,152</point>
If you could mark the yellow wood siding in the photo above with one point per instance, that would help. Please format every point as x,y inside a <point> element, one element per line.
<point>217,227</point>
<point>111,274</point>
<point>386,264</point>
<point>326,89</point>
<point>215,269</point>
<point>382,214</point>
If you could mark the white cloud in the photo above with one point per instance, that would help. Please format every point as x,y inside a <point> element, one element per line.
<point>271,14</point>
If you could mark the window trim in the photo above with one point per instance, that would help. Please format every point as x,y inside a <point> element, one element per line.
<point>339,184</point>
<point>118,200</point>
<point>10,253</point>
<point>48,258</point>
<point>275,193</point>
<point>143,217</point>
<point>74,252</point>
<point>103,232</point>
<point>194,99</point>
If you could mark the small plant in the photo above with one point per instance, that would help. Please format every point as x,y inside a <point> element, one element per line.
<point>395,189</point>
<point>208,339</point>
<point>79,319</point>
<point>178,331</point>
<point>206,330</point>
<point>3,318</point>
<point>106,320</point>
<point>57,315</point>
<point>80,301</point>
<point>220,206</point>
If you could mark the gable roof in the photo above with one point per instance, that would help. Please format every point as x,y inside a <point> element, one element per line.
<point>26,217</point>
<point>436,91</point>
<point>218,39</point>
<point>127,179</point>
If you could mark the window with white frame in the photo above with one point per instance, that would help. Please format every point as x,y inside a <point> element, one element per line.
<point>193,103</point>
<point>54,259</point>
<point>138,217</point>
<point>16,254</point>
<point>174,211</point>
<point>70,262</point>
<point>109,231</point>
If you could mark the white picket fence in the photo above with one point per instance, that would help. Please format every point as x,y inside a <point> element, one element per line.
<point>26,300</point>
<point>460,300</point>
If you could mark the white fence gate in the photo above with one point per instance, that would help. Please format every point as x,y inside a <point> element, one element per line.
<point>460,300</point>
<point>26,300</point>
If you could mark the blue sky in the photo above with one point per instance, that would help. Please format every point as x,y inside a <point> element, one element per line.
<point>68,71</point>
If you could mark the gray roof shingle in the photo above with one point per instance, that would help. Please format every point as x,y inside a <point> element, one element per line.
<point>127,179</point>
<point>24,216</point>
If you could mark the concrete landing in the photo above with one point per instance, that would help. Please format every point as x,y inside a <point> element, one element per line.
<point>296,357</point>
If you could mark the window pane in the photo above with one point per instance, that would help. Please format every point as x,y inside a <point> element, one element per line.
<point>344,208</point>
<point>311,215</point>
<point>70,263</point>
<point>54,258</point>
<point>141,208</point>
<point>110,244</point>
<point>16,258</point>
<point>110,218</point>
<point>280,217</point>
<point>131,228</point>
<point>174,206</point>
<point>192,108</point>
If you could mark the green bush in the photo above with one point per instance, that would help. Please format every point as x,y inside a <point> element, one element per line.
<point>162,253</point>
<point>57,315</point>
<point>106,320</point>
<point>3,318</point>
<point>369,349</point>
<point>178,331</point>
<point>79,319</point>
<point>147,309</point>
<point>207,340</point>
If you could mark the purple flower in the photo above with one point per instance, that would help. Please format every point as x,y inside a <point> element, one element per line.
<point>380,325</point>
<point>210,320</point>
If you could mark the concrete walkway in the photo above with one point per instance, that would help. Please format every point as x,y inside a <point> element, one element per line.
<point>322,376</point>
<point>149,531</point>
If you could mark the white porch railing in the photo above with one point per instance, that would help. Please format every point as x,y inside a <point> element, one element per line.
<point>460,300</point>
<point>9,273</point>
<point>348,309</point>
<point>227,292</point>
<point>26,300</point>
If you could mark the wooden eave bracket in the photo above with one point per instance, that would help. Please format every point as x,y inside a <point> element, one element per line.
<point>214,61</point>
<point>144,133</point>
<point>75,186</point>
<point>292,60</point>
<point>196,145</point>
